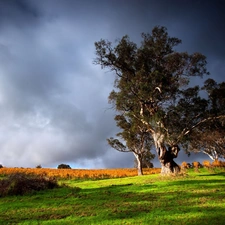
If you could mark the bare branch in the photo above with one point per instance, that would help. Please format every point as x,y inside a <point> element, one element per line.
<point>188,130</point>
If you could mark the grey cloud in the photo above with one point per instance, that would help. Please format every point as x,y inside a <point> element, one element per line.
<point>53,100</point>
<point>17,13</point>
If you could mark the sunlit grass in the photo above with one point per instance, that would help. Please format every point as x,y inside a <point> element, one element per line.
<point>197,198</point>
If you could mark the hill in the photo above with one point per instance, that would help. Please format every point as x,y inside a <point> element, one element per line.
<point>193,198</point>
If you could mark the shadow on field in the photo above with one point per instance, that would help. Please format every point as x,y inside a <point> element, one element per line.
<point>196,182</point>
<point>198,204</point>
<point>210,175</point>
<point>180,201</point>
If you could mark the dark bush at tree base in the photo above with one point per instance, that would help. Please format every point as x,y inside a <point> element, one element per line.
<point>20,184</point>
<point>64,166</point>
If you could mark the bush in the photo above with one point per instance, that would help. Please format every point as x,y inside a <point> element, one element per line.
<point>197,165</point>
<point>64,166</point>
<point>185,165</point>
<point>1,166</point>
<point>206,163</point>
<point>218,163</point>
<point>20,184</point>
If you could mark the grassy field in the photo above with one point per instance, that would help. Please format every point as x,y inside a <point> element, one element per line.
<point>197,198</point>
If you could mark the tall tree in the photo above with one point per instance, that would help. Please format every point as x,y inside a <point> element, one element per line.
<point>152,85</point>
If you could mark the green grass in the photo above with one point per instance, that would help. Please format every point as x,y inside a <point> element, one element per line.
<point>194,199</point>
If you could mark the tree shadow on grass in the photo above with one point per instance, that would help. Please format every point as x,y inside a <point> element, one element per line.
<point>201,204</point>
<point>211,175</point>
<point>145,205</point>
<point>196,182</point>
<point>137,204</point>
<point>192,215</point>
<point>201,180</point>
<point>164,208</point>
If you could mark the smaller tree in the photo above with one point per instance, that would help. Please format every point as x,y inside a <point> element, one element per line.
<point>210,143</point>
<point>64,166</point>
<point>133,138</point>
<point>209,138</point>
<point>146,160</point>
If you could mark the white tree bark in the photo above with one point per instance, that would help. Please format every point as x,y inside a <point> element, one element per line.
<point>212,154</point>
<point>139,164</point>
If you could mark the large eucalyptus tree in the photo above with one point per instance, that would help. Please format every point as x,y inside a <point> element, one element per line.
<point>152,86</point>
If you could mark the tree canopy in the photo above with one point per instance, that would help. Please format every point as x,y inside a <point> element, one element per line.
<point>152,86</point>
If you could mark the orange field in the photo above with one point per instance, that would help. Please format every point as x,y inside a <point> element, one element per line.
<point>79,173</point>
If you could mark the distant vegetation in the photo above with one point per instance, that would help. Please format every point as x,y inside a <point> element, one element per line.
<point>95,174</point>
<point>78,173</point>
<point>64,166</point>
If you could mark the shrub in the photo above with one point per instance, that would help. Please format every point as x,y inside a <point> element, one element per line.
<point>184,165</point>
<point>38,166</point>
<point>64,166</point>
<point>20,184</point>
<point>1,166</point>
<point>218,163</point>
<point>197,165</point>
<point>206,163</point>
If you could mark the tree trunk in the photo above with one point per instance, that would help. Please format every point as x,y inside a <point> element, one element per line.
<point>166,160</point>
<point>168,165</point>
<point>139,164</point>
<point>212,154</point>
<point>166,156</point>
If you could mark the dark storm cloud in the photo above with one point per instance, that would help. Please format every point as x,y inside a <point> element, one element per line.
<point>17,13</point>
<point>53,100</point>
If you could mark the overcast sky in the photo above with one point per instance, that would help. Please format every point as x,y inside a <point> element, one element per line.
<point>54,101</point>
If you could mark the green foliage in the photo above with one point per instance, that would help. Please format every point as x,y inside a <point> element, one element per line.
<point>153,92</point>
<point>63,166</point>
<point>20,184</point>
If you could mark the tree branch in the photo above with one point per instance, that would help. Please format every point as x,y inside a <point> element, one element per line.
<point>187,131</point>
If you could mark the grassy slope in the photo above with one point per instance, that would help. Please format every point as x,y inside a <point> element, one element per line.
<point>195,199</point>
